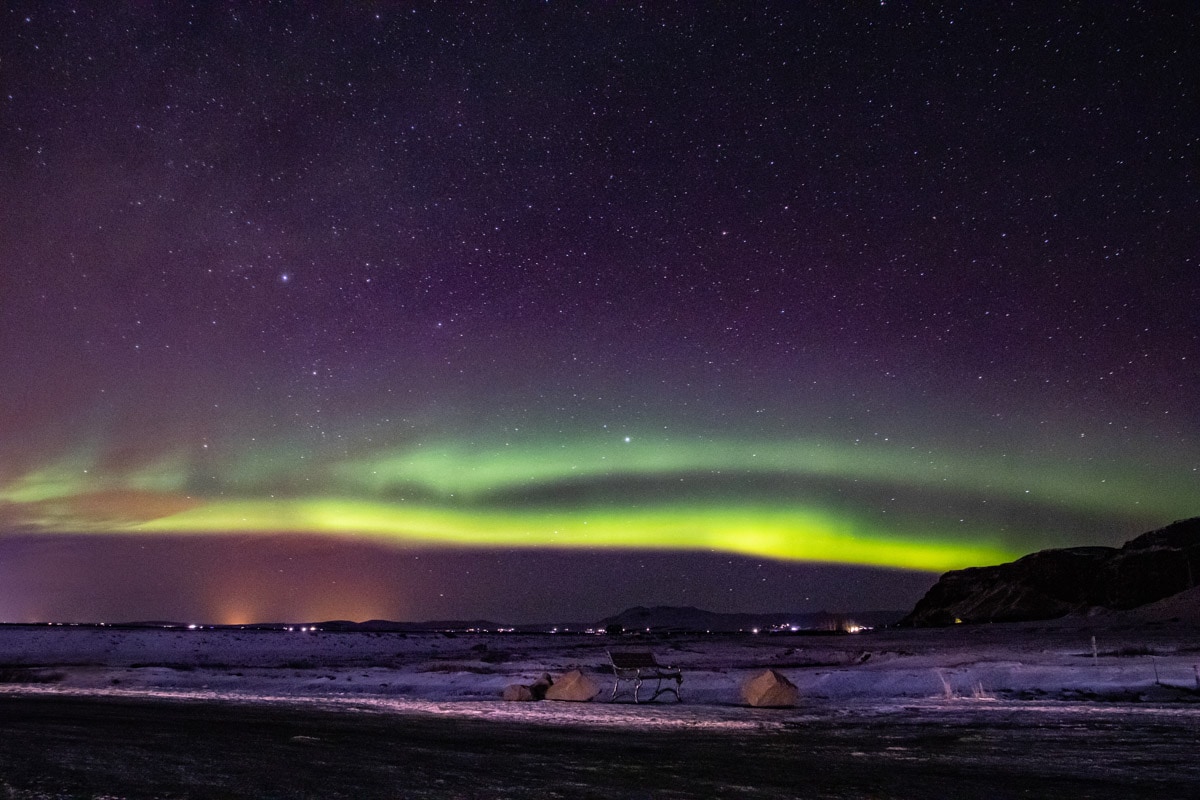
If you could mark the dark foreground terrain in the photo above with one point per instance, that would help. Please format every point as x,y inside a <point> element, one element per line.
<point>85,748</point>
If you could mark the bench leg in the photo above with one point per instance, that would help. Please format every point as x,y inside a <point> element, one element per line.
<point>616,690</point>
<point>659,689</point>
<point>677,689</point>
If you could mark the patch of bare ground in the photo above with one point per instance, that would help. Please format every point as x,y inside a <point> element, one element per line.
<point>135,750</point>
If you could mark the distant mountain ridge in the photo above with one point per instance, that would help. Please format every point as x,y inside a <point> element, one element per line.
<point>682,619</point>
<point>691,619</point>
<point>660,619</point>
<point>1054,583</point>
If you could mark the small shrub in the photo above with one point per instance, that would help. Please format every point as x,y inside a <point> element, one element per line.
<point>947,689</point>
<point>1131,650</point>
<point>449,668</point>
<point>15,674</point>
<point>1125,652</point>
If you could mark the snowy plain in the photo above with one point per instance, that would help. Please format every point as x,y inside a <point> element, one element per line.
<point>1109,663</point>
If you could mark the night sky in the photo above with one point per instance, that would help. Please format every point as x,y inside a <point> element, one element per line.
<point>536,311</point>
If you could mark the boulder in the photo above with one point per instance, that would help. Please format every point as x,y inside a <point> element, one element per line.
<point>517,693</point>
<point>540,686</point>
<point>574,686</point>
<point>770,689</point>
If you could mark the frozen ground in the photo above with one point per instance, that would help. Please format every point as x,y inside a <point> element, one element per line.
<point>1009,711</point>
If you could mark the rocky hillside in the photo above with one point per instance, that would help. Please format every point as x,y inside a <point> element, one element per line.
<point>1054,583</point>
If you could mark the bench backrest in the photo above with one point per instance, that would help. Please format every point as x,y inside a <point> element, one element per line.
<point>635,659</point>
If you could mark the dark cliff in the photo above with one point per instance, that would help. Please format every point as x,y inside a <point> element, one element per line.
<point>1054,583</point>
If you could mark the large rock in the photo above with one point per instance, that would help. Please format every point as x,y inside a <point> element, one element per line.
<point>574,686</point>
<point>770,689</point>
<point>517,693</point>
<point>1054,583</point>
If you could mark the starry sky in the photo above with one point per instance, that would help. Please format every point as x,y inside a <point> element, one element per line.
<point>536,311</point>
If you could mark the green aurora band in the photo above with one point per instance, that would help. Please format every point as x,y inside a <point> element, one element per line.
<point>471,495</point>
<point>469,471</point>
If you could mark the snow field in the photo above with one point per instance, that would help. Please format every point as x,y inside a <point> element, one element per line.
<point>999,666</point>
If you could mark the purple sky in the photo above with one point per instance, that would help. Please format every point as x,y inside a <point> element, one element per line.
<point>291,272</point>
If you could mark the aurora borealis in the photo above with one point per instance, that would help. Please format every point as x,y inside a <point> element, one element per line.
<point>533,312</point>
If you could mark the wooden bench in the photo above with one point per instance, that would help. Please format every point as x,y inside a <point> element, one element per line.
<point>637,666</point>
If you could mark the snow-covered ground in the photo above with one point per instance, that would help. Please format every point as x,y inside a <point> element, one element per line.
<point>1131,666</point>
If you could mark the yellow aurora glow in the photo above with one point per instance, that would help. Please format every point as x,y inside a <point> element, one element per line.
<point>788,534</point>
